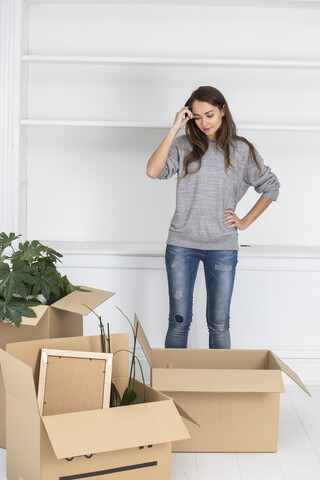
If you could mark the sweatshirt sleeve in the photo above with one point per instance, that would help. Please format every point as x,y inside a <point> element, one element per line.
<point>172,164</point>
<point>266,183</point>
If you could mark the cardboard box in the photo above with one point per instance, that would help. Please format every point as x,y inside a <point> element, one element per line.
<point>130,442</point>
<point>233,394</point>
<point>63,318</point>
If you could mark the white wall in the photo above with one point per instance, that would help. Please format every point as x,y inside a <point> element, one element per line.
<point>88,184</point>
<point>102,170</point>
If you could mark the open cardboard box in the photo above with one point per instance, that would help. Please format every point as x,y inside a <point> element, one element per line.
<point>129,442</point>
<point>233,394</point>
<point>63,318</point>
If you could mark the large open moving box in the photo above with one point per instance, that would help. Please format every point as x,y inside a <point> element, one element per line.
<point>233,394</point>
<point>129,442</point>
<point>63,318</point>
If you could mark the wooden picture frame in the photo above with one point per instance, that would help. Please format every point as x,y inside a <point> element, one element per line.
<point>72,381</point>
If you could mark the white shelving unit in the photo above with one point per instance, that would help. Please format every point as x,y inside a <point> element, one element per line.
<point>240,4</point>
<point>68,84</point>
<point>200,62</point>
<point>98,83</point>
<point>124,124</point>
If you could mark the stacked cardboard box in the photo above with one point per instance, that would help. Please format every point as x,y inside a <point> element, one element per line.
<point>63,318</point>
<point>131,441</point>
<point>233,394</point>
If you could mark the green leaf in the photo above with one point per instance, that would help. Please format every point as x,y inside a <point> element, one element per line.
<point>69,288</point>
<point>141,371</point>
<point>130,323</point>
<point>15,280</point>
<point>32,301</point>
<point>52,254</point>
<point>28,252</point>
<point>15,308</point>
<point>4,272</point>
<point>34,251</point>
<point>115,396</point>
<point>47,282</point>
<point>6,240</point>
<point>128,397</point>
<point>79,289</point>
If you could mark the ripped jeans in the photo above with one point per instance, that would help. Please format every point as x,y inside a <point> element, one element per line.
<point>219,268</point>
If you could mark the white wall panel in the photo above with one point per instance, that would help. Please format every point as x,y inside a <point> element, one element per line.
<point>90,185</point>
<point>269,310</point>
<point>140,286</point>
<point>270,306</point>
<point>293,156</point>
<point>197,31</point>
<point>155,93</point>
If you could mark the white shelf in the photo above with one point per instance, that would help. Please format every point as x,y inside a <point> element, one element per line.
<point>158,249</point>
<point>213,3</point>
<point>126,124</point>
<point>92,123</point>
<point>283,127</point>
<point>167,61</point>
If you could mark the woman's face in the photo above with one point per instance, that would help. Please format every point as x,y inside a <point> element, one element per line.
<point>207,117</point>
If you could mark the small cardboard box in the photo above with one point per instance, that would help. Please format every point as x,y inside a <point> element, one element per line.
<point>63,318</point>
<point>130,442</point>
<point>234,395</point>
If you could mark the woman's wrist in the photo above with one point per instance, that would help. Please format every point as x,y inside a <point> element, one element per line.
<point>245,222</point>
<point>173,131</point>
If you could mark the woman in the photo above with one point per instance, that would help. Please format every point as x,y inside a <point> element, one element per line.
<point>215,167</point>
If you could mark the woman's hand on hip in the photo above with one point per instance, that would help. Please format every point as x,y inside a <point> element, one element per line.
<point>232,221</point>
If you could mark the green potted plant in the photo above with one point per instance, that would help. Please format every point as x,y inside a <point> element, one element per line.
<point>129,394</point>
<point>28,277</point>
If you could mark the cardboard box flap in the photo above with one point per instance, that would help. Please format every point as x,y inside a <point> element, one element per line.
<point>205,380</point>
<point>18,380</point>
<point>97,431</point>
<point>143,341</point>
<point>185,414</point>
<point>39,310</point>
<point>286,369</point>
<point>75,302</point>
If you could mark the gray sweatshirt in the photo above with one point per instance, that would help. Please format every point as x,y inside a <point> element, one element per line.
<point>202,197</point>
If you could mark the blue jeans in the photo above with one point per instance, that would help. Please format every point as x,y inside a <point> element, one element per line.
<point>219,268</point>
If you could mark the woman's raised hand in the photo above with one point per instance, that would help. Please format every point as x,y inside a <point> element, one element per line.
<point>159,157</point>
<point>182,117</point>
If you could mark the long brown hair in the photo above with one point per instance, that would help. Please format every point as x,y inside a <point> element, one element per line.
<point>224,135</point>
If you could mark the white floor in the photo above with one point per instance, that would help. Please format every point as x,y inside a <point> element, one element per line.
<point>297,458</point>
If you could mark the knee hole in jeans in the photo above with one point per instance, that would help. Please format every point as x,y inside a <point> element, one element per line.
<point>225,268</point>
<point>178,295</point>
<point>178,318</point>
<point>177,260</point>
<point>220,327</point>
